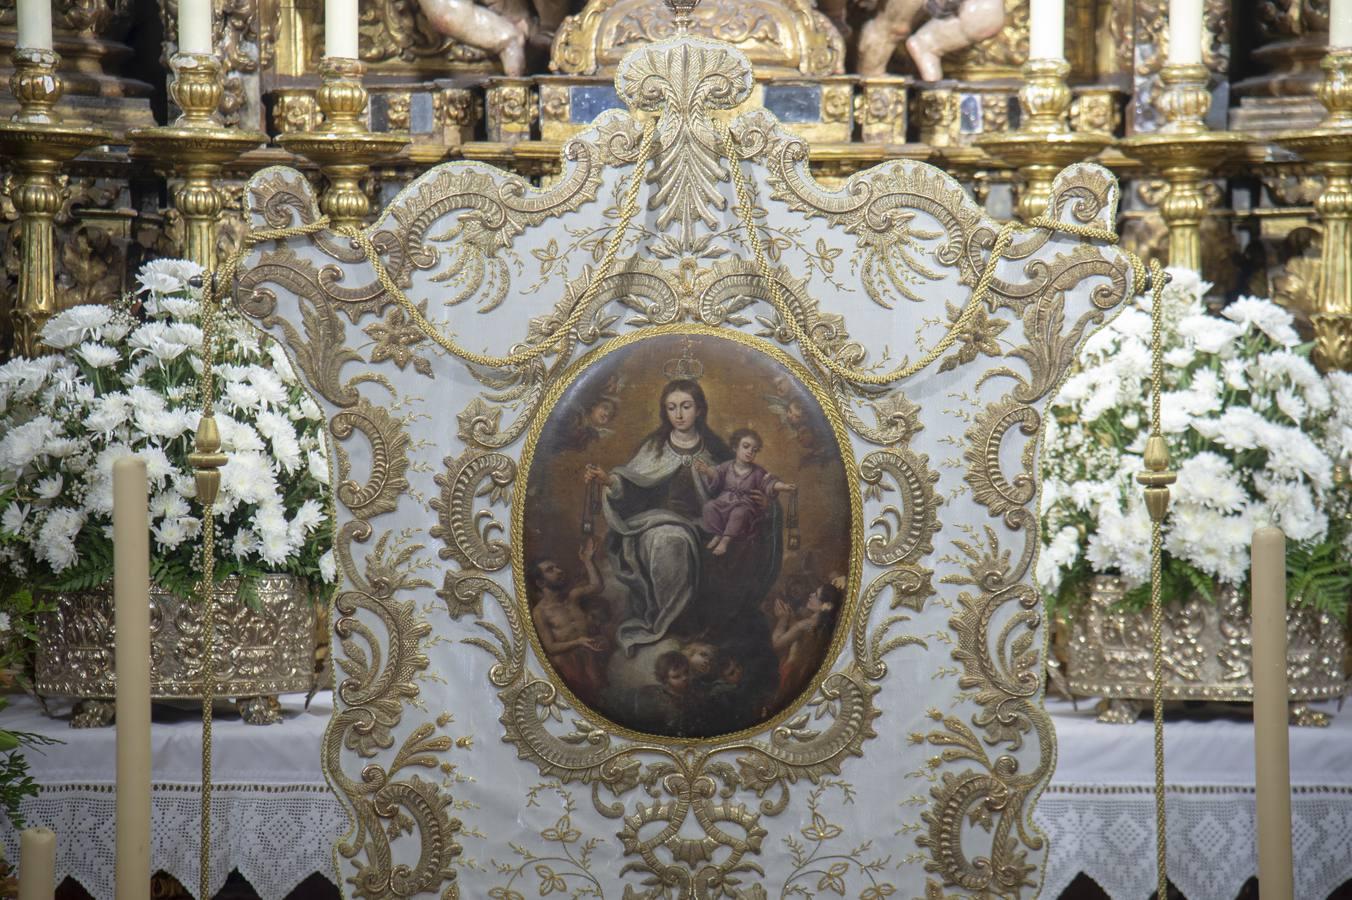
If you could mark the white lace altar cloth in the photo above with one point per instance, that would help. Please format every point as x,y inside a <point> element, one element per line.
<point>274,819</point>
<point>1099,811</point>
<point>273,816</point>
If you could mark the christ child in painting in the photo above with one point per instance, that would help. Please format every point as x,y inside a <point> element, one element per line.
<point>734,509</point>
<point>564,626</point>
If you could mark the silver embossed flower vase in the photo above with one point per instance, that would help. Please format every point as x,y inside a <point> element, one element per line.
<point>1208,653</point>
<point>260,650</point>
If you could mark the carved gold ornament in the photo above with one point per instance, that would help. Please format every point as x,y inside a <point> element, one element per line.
<point>441,342</point>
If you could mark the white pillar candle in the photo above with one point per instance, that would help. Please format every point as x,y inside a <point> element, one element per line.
<point>1047,30</point>
<point>194,26</point>
<point>340,28</point>
<point>1272,762</point>
<point>35,25</point>
<point>1185,32</point>
<point>131,648</point>
<point>37,864</point>
<point>1340,25</point>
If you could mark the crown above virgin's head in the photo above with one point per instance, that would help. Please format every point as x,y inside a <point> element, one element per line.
<point>684,367</point>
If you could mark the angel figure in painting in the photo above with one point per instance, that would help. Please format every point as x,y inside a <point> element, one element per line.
<point>735,509</point>
<point>802,633</point>
<point>566,627</point>
<point>953,25</point>
<point>594,415</point>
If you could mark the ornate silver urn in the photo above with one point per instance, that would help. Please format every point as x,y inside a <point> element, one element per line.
<point>1207,654</point>
<point>260,650</point>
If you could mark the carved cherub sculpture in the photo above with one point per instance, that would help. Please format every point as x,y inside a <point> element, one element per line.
<point>952,26</point>
<point>502,29</point>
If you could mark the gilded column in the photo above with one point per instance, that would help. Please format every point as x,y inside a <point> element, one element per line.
<point>196,147</point>
<point>38,144</point>
<point>343,147</point>
<point>1329,147</point>
<point>1185,152</point>
<point>1044,145</point>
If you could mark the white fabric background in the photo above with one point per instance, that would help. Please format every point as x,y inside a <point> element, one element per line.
<point>273,816</point>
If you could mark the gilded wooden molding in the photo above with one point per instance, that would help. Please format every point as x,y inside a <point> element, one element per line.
<point>781,37</point>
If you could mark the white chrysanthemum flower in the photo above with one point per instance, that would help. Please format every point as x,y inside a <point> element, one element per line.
<point>111,411</point>
<point>1209,334</point>
<point>280,364</point>
<point>72,326</point>
<point>240,396</point>
<point>99,356</point>
<point>245,544</point>
<point>174,274</point>
<point>49,488</point>
<point>274,534</point>
<point>26,443</point>
<point>318,465</point>
<point>238,436</point>
<point>14,518</point>
<point>306,520</point>
<point>282,436</point>
<point>1266,316</point>
<point>270,389</point>
<point>1122,544</point>
<point>170,533</point>
<point>1209,480</point>
<point>55,542</point>
<point>328,567</point>
<point>249,477</point>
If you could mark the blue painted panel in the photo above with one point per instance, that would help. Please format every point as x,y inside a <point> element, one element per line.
<point>586,102</point>
<point>794,102</point>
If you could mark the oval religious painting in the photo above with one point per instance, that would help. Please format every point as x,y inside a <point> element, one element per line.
<point>687,526</point>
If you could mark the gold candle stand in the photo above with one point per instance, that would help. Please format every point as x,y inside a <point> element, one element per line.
<point>1185,151</point>
<point>1044,143</point>
<point>344,148</point>
<point>196,148</point>
<point>38,144</point>
<point>1329,147</point>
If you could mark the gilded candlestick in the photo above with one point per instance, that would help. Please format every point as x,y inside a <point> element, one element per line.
<point>1329,147</point>
<point>196,147</point>
<point>1044,143</point>
<point>38,144</point>
<point>343,148</point>
<point>1185,152</point>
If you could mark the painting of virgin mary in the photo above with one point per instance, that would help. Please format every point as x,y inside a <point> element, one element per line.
<point>697,632</point>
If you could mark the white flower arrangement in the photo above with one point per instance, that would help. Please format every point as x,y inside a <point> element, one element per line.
<point>117,386</point>
<point>1254,432</point>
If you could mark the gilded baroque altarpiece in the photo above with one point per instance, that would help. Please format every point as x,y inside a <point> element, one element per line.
<point>514,553</point>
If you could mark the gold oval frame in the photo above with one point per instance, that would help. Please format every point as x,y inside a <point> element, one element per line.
<point>844,624</point>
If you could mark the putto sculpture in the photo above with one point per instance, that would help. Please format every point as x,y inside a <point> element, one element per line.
<point>952,25</point>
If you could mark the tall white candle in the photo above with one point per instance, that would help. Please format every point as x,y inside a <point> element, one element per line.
<point>1340,24</point>
<point>1272,750</point>
<point>35,25</point>
<point>1047,30</point>
<point>194,26</point>
<point>37,864</point>
<point>1185,32</point>
<point>340,28</point>
<point>131,602</point>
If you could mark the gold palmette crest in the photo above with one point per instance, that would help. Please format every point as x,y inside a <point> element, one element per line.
<point>431,506</point>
